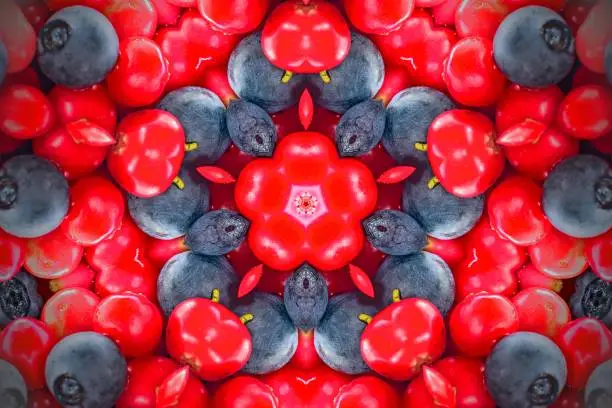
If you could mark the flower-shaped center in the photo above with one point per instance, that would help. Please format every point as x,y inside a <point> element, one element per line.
<point>306,204</point>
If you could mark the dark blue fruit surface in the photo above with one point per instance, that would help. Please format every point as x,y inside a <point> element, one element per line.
<point>19,298</point>
<point>274,336</point>
<point>608,61</point>
<point>358,78</point>
<point>534,47</point>
<point>394,232</point>
<point>420,275</point>
<point>360,128</point>
<point>77,47</point>
<point>409,115</point>
<point>217,232</point>
<point>255,79</point>
<point>188,275</point>
<point>598,391</point>
<point>305,297</point>
<point>170,214</point>
<point>86,370</point>
<point>592,298</point>
<point>251,128</point>
<point>202,115</point>
<point>525,370</point>
<point>338,335</point>
<point>577,196</point>
<point>441,214</point>
<point>13,391</point>
<point>3,62</point>
<point>33,196</point>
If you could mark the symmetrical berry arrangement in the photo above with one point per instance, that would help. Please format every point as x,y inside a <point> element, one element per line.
<point>305,203</point>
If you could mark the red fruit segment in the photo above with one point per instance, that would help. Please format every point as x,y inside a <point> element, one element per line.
<point>52,256</point>
<point>586,112</point>
<point>451,250</point>
<point>599,255</point>
<point>477,18</point>
<point>235,16</point>
<point>134,18</point>
<point>169,392</point>
<point>530,277</point>
<point>559,256</point>
<point>160,251</point>
<point>593,36</point>
<point>92,104</point>
<point>81,277</point>
<point>441,391</point>
<point>70,311</point>
<point>306,109</point>
<point>541,311</point>
<point>12,255</point>
<point>361,280</point>
<point>528,131</point>
<point>245,390</point>
<point>26,112</point>
<point>86,132</point>
<point>366,392</point>
<point>250,280</point>
<point>520,103</point>
<point>380,17</point>
<point>135,275</point>
<point>396,175</point>
<point>216,80</point>
<point>215,175</point>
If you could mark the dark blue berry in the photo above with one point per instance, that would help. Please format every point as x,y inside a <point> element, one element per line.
<point>592,298</point>
<point>3,62</point>
<point>77,47</point>
<point>577,196</point>
<point>251,128</point>
<point>19,298</point>
<point>86,370</point>
<point>188,275</point>
<point>217,232</point>
<point>534,47</point>
<point>394,232</point>
<point>305,297</point>
<point>13,391</point>
<point>360,128</point>
<point>33,196</point>
<point>598,390</point>
<point>608,61</point>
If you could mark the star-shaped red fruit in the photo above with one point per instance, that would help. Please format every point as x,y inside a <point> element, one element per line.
<point>306,204</point>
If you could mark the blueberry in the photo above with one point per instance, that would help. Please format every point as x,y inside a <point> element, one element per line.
<point>188,275</point>
<point>255,79</point>
<point>608,61</point>
<point>420,275</point>
<point>305,297</point>
<point>19,298</point>
<point>86,370</point>
<point>409,115</point>
<point>77,47</point>
<point>525,370</point>
<point>441,214</point>
<point>274,336</point>
<point>33,197</point>
<point>13,391</point>
<point>217,232</point>
<point>577,196</point>
<point>598,391</point>
<point>202,115</point>
<point>394,232</point>
<point>251,128</point>
<point>358,78</point>
<point>360,128</point>
<point>338,334</point>
<point>534,47</point>
<point>169,215</point>
<point>3,62</point>
<point>592,298</point>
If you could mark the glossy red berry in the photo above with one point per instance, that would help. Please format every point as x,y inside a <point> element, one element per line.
<point>593,36</point>
<point>160,251</point>
<point>52,256</point>
<point>248,390</point>
<point>81,277</point>
<point>477,18</point>
<point>471,74</point>
<point>135,275</point>
<point>92,104</point>
<point>70,311</point>
<point>559,256</point>
<point>541,311</point>
<point>135,18</point>
<point>367,392</point>
<point>12,255</point>
<point>26,112</point>
<point>141,73</point>
<point>585,343</point>
<point>480,321</point>
<point>586,112</point>
<point>25,343</point>
<point>235,16</point>
<point>520,103</point>
<point>514,210</point>
<point>18,37</point>
<point>132,321</point>
<point>96,211</point>
<point>599,255</point>
<point>530,277</point>
<point>380,17</point>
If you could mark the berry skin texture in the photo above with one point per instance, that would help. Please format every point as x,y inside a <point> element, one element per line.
<point>550,55</point>
<point>86,369</point>
<point>12,385</point>
<point>305,297</point>
<point>26,112</point>
<point>559,256</point>
<point>361,128</point>
<point>70,311</point>
<point>217,233</point>
<point>77,47</point>
<point>525,370</point>
<point>586,112</point>
<point>597,390</point>
<point>578,196</point>
<point>592,298</point>
<point>19,298</point>
<point>471,75</point>
<point>52,256</point>
<point>480,321</point>
<point>394,232</point>
<point>250,128</point>
<point>585,343</point>
<point>541,311</point>
<point>33,197</point>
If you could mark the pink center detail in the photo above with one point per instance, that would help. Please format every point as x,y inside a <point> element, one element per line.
<point>306,204</point>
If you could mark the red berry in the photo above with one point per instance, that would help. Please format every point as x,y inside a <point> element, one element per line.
<point>134,18</point>
<point>541,311</point>
<point>450,250</point>
<point>576,11</point>
<point>96,211</point>
<point>132,321</point>
<point>305,357</point>
<point>52,256</point>
<point>478,18</point>
<point>26,112</point>
<point>585,343</point>
<point>26,343</point>
<point>444,14</point>
<point>530,277</point>
<point>35,11</point>
<point>235,16</point>
<point>141,73</point>
<point>244,391</point>
<point>514,211</point>
<point>160,251</point>
<point>135,275</point>
<point>17,36</point>
<point>520,103</point>
<point>379,17</point>
<point>599,255</point>
<point>81,277</point>
<point>92,104</point>
<point>12,255</point>
<point>167,13</point>
<point>367,392</point>
<point>559,256</point>
<point>593,37</point>
<point>480,321</point>
<point>70,311</point>
<point>586,112</point>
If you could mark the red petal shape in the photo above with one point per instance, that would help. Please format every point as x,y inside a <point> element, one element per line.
<point>396,174</point>
<point>88,133</point>
<point>250,280</point>
<point>526,132</point>
<point>306,109</point>
<point>169,392</point>
<point>215,175</point>
<point>442,392</point>
<point>361,280</point>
